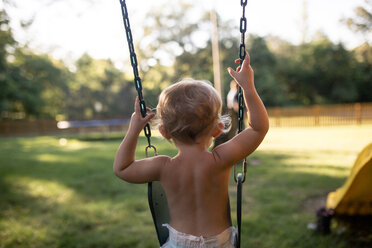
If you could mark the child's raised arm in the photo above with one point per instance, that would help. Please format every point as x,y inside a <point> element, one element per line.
<point>248,140</point>
<point>125,165</point>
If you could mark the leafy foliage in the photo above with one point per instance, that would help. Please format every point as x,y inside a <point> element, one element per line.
<point>362,20</point>
<point>174,47</point>
<point>97,90</point>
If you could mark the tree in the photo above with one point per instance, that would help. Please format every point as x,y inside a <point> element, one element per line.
<point>168,32</point>
<point>264,63</point>
<point>320,72</point>
<point>362,21</point>
<point>97,90</point>
<point>31,85</point>
<point>363,77</point>
<point>117,94</point>
<point>180,47</point>
<point>171,48</point>
<point>6,41</point>
<point>39,85</point>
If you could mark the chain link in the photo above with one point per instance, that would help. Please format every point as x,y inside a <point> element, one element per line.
<point>134,63</point>
<point>243,29</point>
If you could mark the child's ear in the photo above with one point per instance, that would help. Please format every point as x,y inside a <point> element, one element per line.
<point>164,133</point>
<point>218,129</point>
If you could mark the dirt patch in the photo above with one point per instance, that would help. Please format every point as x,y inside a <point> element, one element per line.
<point>314,203</point>
<point>356,229</point>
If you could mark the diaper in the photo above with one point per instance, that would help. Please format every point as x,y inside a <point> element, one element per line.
<point>226,239</point>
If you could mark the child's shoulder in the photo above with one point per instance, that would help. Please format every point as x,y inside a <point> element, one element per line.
<point>162,158</point>
<point>157,161</point>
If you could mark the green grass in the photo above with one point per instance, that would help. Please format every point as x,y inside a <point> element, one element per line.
<point>54,195</point>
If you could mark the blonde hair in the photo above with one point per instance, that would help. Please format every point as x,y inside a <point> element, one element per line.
<point>188,110</point>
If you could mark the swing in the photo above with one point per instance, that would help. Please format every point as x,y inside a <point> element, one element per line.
<point>156,196</point>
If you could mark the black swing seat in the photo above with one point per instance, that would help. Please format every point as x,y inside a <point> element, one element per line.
<point>160,213</point>
<point>159,210</point>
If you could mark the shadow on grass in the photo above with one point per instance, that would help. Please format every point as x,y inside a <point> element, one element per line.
<point>357,228</point>
<point>276,217</point>
<point>98,136</point>
<point>100,204</point>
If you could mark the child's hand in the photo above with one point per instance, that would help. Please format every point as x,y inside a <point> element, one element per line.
<point>137,121</point>
<point>244,76</point>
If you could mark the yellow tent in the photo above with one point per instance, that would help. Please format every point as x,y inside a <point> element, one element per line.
<point>355,196</point>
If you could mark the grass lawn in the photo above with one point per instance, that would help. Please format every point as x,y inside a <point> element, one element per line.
<point>66,195</point>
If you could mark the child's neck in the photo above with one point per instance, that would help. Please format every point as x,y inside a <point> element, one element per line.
<point>201,145</point>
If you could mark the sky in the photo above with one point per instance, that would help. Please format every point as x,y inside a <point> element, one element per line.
<point>68,28</point>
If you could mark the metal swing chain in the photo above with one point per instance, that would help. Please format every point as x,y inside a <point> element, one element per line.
<point>243,29</point>
<point>137,79</point>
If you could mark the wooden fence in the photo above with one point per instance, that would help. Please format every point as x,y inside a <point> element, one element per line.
<point>318,115</point>
<point>24,128</point>
<point>321,115</point>
<point>10,128</point>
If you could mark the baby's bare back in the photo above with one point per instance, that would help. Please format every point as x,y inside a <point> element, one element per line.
<point>197,193</point>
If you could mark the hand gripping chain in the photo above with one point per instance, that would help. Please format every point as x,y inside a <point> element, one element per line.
<point>243,29</point>
<point>240,177</point>
<point>137,79</point>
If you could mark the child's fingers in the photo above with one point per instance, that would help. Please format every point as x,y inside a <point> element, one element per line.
<point>149,116</point>
<point>232,73</point>
<point>246,61</point>
<point>136,105</point>
<point>247,57</point>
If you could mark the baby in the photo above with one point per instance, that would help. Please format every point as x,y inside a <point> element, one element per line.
<point>195,180</point>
